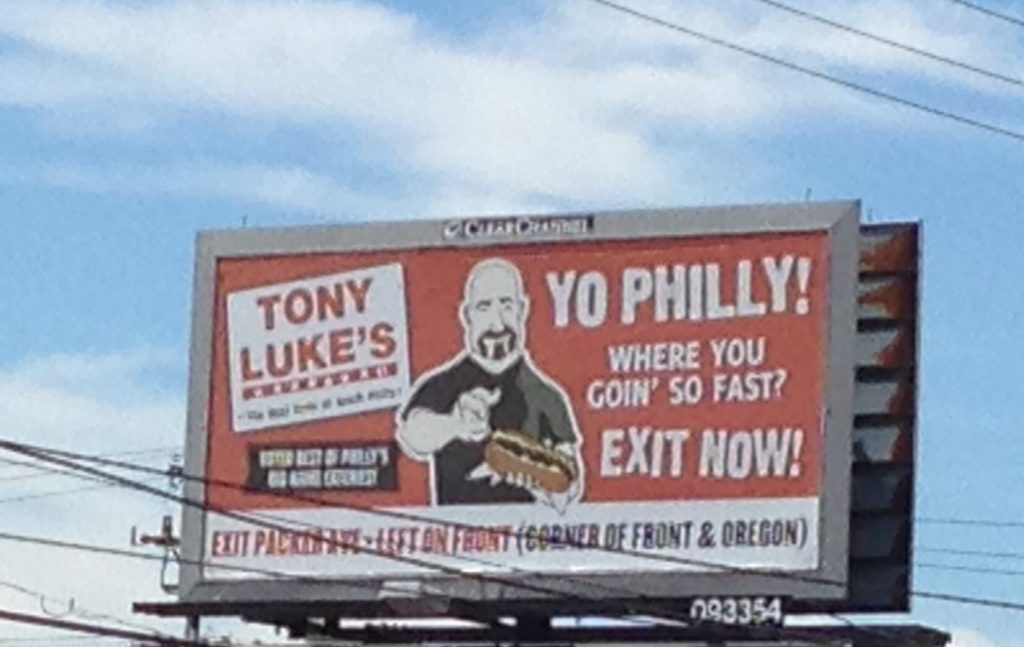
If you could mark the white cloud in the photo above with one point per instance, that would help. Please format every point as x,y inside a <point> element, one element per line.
<point>90,404</point>
<point>573,106</point>
<point>79,402</point>
<point>967,638</point>
<point>30,82</point>
<point>971,638</point>
<point>282,187</point>
<point>76,370</point>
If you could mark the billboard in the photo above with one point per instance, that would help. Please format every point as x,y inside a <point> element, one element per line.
<point>654,399</point>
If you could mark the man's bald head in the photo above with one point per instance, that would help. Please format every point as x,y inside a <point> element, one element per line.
<point>493,278</point>
<point>493,313</point>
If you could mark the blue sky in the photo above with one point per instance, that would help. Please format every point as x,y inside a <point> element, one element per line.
<point>126,127</point>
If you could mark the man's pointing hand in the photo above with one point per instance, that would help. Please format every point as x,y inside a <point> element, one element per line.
<point>473,412</point>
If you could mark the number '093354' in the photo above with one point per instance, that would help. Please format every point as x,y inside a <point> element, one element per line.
<point>737,610</point>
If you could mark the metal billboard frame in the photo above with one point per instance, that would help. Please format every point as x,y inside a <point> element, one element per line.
<point>838,220</point>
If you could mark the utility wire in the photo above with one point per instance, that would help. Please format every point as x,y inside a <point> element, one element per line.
<point>168,641</point>
<point>968,569</point>
<point>969,553</point>
<point>51,456</point>
<point>63,492</point>
<point>998,76</point>
<point>991,13</point>
<point>98,630</point>
<point>270,518</point>
<point>971,522</point>
<point>387,513</point>
<point>118,552</point>
<point>373,511</point>
<point>818,74</point>
<point>54,638</point>
<point>396,514</point>
<point>41,597</point>
<point>151,451</point>
<point>139,555</point>
<point>981,523</point>
<point>73,607</point>
<point>259,522</point>
<point>43,471</point>
<point>657,614</point>
<point>969,600</point>
<point>939,596</point>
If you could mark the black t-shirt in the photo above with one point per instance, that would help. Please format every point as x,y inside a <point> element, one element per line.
<point>527,404</point>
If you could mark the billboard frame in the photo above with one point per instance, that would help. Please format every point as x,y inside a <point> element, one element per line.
<point>838,220</point>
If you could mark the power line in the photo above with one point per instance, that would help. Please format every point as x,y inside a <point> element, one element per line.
<point>969,553</point>
<point>396,514</point>
<point>366,510</point>
<point>894,44</point>
<point>98,630</point>
<point>969,600</point>
<point>823,76</point>
<point>62,492</point>
<point>54,638</point>
<point>991,13</point>
<point>35,466</point>
<point>49,455</point>
<point>146,451</point>
<point>939,596</point>
<point>724,629</point>
<point>868,630</point>
<point>48,470</point>
<point>73,607</point>
<point>969,569</point>
<point>43,471</point>
<point>983,523</point>
<point>118,552</point>
<point>138,555</point>
<point>41,454</point>
<point>256,520</point>
<point>390,513</point>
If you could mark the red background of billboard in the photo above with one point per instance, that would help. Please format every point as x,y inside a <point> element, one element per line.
<point>572,356</point>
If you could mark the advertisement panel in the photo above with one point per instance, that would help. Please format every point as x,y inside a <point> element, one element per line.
<point>545,396</point>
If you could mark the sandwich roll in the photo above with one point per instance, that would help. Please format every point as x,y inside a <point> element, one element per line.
<point>513,452</point>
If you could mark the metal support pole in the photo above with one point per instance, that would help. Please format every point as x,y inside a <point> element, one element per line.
<point>192,628</point>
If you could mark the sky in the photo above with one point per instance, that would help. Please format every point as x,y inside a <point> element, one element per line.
<point>127,127</point>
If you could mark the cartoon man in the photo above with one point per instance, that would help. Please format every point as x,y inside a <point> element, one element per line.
<point>492,386</point>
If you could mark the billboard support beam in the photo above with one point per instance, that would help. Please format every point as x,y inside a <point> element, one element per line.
<point>825,636</point>
<point>192,627</point>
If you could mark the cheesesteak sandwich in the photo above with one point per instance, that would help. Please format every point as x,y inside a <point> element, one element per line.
<point>513,452</point>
